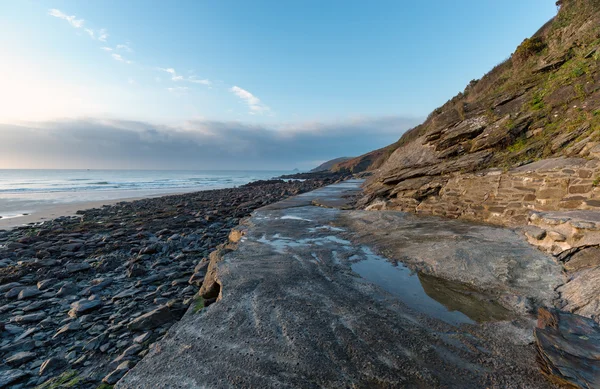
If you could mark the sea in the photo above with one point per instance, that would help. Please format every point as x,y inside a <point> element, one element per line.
<point>23,192</point>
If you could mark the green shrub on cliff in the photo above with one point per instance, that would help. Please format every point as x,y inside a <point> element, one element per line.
<point>198,304</point>
<point>528,48</point>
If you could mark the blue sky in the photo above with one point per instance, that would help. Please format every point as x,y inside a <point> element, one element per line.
<point>282,65</point>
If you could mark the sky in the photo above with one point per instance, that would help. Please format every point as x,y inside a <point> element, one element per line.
<point>219,84</point>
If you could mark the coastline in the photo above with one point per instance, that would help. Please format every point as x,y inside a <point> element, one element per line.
<point>47,211</point>
<point>112,282</point>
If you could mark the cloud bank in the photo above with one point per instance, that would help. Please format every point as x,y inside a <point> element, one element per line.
<point>119,144</point>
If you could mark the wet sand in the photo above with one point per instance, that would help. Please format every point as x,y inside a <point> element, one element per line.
<point>48,211</point>
<point>52,212</point>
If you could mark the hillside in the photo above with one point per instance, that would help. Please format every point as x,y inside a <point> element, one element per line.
<point>329,164</point>
<point>543,102</point>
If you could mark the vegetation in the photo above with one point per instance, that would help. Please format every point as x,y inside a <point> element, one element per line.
<point>518,145</point>
<point>553,78</point>
<point>67,379</point>
<point>529,47</point>
<point>537,102</point>
<point>198,304</point>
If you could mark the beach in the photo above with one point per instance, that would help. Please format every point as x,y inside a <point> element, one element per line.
<point>45,211</point>
<point>33,196</point>
<point>84,294</point>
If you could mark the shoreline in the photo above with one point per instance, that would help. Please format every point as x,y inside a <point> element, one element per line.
<point>113,282</point>
<point>46,212</point>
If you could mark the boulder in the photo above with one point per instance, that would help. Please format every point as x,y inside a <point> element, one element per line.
<point>6,287</point>
<point>20,358</point>
<point>52,364</point>
<point>118,373</point>
<point>152,319</point>
<point>31,318</point>
<point>9,377</point>
<point>77,267</point>
<point>14,292</point>
<point>47,284</point>
<point>72,326</point>
<point>584,258</point>
<point>81,307</point>
<point>66,290</point>
<point>97,286</point>
<point>29,293</point>
<point>582,293</point>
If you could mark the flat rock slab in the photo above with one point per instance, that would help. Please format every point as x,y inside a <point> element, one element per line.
<point>569,348</point>
<point>486,257</point>
<point>294,312</point>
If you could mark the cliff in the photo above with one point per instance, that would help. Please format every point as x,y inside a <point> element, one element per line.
<point>325,166</point>
<point>541,103</point>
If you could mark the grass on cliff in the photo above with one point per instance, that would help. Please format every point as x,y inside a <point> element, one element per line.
<point>198,304</point>
<point>68,379</point>
<point>552,77</point>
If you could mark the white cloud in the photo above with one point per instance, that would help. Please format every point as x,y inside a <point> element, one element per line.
<point>102,35</point>
<point>77,23</point>
<point>106,48</point>
<point>171,71</point>
<point>124,47</point>
<point>178,89</point>
<point>173,74</point>
<point>256,106</point>
<point>195,80</point>
<point>119,58</point>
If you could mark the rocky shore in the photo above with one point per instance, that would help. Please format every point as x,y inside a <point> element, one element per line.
<point>83,298</point>
<point>311,294</point>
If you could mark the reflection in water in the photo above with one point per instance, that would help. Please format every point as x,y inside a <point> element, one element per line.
<point>449,301</point>
<point>459,297</point>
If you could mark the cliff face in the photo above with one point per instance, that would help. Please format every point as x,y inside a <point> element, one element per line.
<point>543,102</point>
<point>325,166</point>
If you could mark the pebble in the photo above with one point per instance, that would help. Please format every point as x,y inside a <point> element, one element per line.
<point>77,267</point>
<point>66,290</point>
<point>47,284</point>
<point>6,287</point>
<point>29,293</point>
<point>72,326</point>
<point>20,358</point>
<point>142,338</point>
<point>52,364</point>
<point>10,376</point>
<point>14,292</point>
<point>83,306</point>
<point>30,318</point>
<point>118,373</point>
<point>127,259</point>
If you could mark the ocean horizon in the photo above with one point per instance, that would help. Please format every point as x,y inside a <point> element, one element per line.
<point>24,191</point>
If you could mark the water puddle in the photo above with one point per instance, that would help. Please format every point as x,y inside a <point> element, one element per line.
<point>325,228</point>
<point>291,217</point>
<point>281,244</point>
<point>442,299</point>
